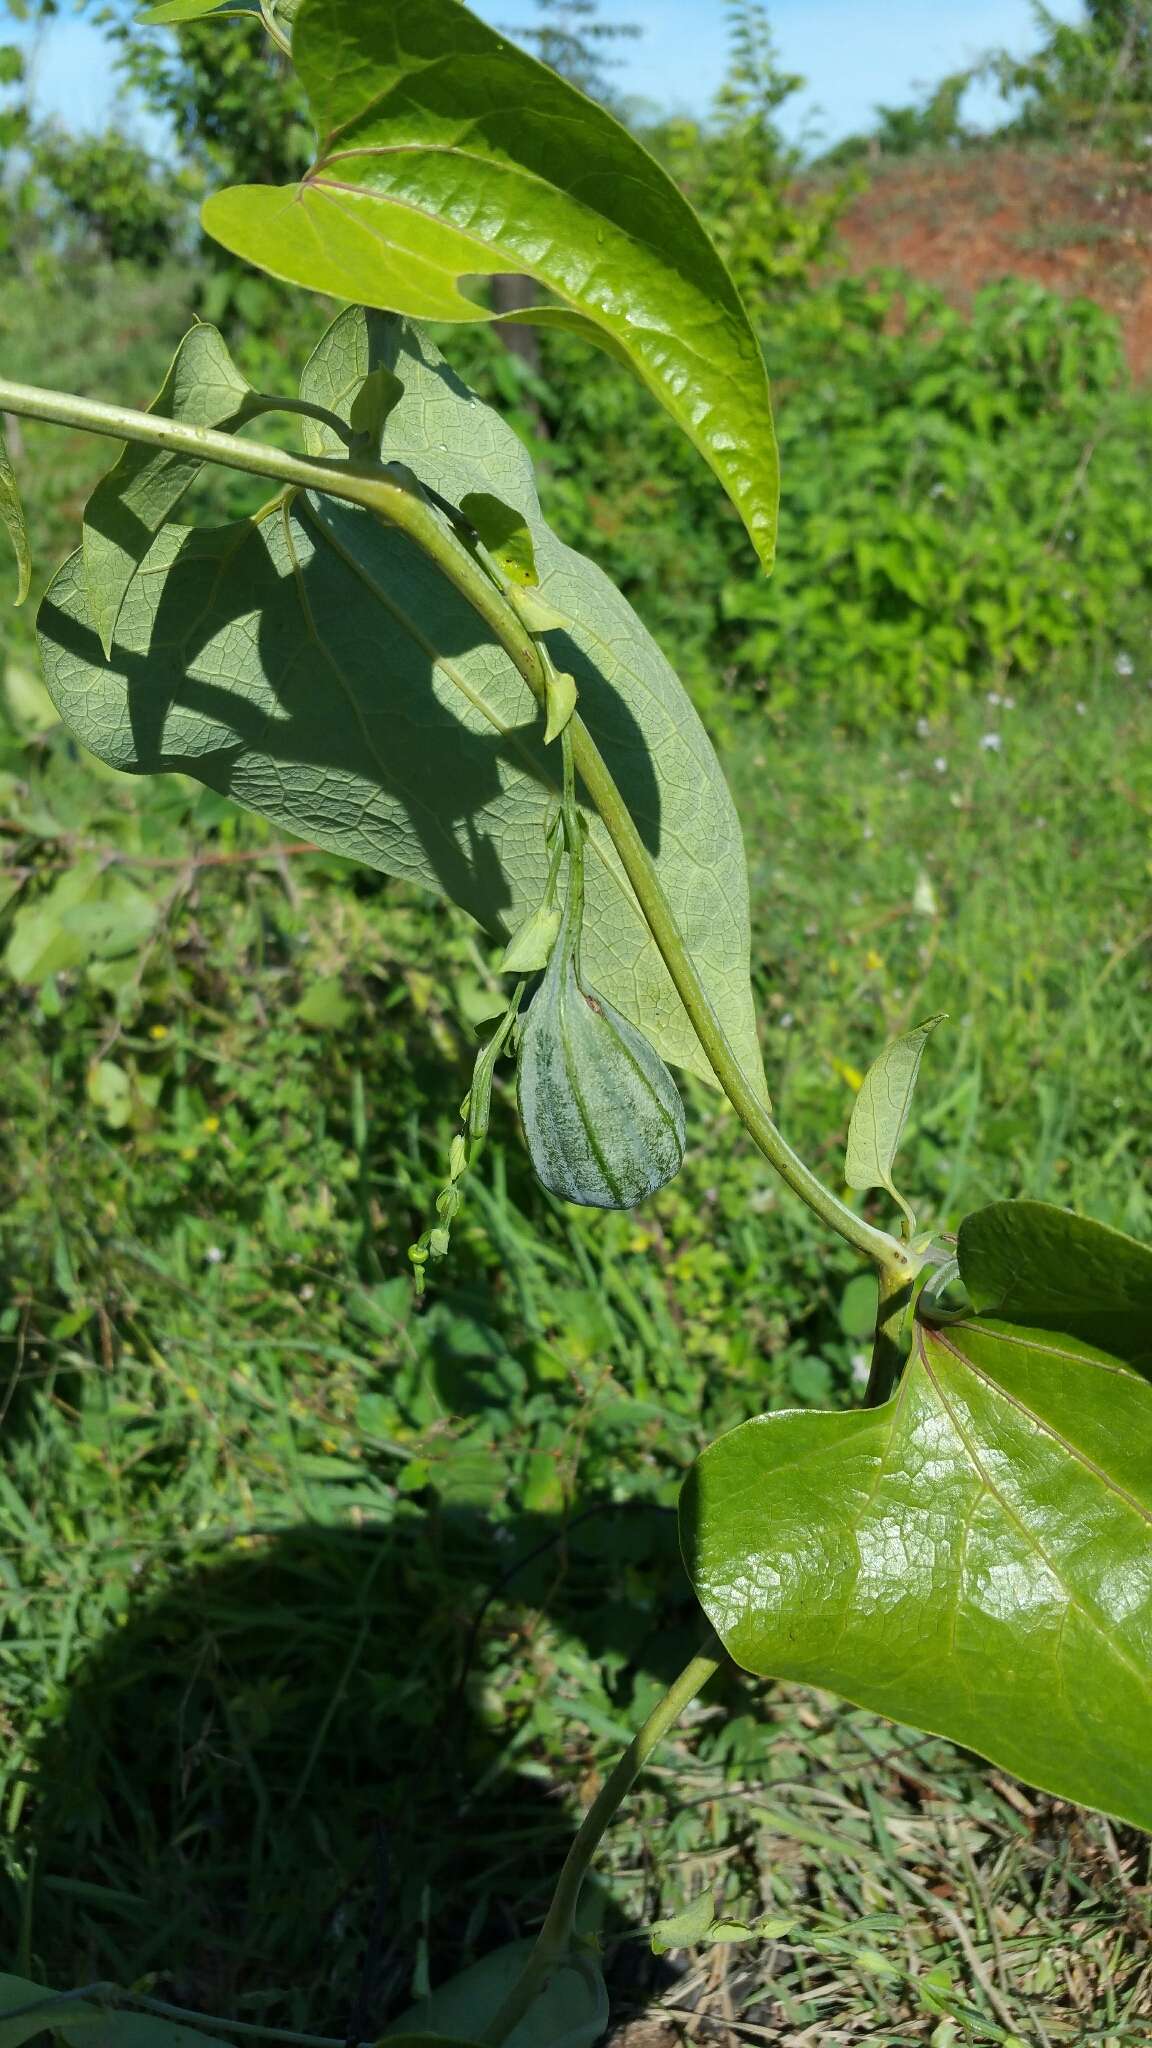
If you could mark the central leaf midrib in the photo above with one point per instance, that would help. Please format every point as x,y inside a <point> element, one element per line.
<point>1072,1450</point>
<point>1074,1599</point>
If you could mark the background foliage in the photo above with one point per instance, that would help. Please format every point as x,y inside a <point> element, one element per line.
<point>267,1528</point>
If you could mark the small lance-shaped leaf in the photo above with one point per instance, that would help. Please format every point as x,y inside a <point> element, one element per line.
<point>447,152</point>
<point>1032,1263</point>
<point>880,1112</point>
<point>560,696</point>
<point>317,668</point>
<point>170,13</point>
<point>504,533</point>
<point>12,516</point>
<point>973,1558</point>
<point>698,1925</point>
<point>529,949</point>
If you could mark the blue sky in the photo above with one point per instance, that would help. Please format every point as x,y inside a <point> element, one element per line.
<point>853,53</point>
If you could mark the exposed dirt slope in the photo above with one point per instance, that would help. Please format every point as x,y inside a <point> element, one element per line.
<point>1081,224</point>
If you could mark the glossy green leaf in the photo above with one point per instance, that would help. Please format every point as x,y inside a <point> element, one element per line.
<point>504,532</point>
<point>571,2013</point>
<point>1028,1262</point>
<point>447,152</point>
<point>12,518</point>
<point>974,1558</point>
<point>316,668</point>
<point>602,1116</point>
<point>880,1111</point>
<point>170,13</point>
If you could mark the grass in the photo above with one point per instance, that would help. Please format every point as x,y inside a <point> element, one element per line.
<point>325,1611</point>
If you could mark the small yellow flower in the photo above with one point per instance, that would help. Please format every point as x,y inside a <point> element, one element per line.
<point>210,1123</point>
<point>157,1031</point>
<point>873,961</point>
<point>188,1152</point>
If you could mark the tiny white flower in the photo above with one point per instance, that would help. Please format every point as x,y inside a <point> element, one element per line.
<point>867,832</point>
<point>787,1021</point>
<point>994,697</point>
<point>214,1255</point>
<point>1081,710</point>
<point>923,728</point>
<point>859,1362</point>
<point>1124,664</point>
<point>991,742</point>
<point>306,1292</point>
<point>1009,703</point>
<point>940,764</point>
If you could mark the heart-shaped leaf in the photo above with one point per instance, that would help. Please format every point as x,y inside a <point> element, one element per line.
<point>317,667</point>
<point>973,1558</point>
<point>1028,1262</point>
<point>572,2012</point>
<point>447,152</point>
<point>12,518</point>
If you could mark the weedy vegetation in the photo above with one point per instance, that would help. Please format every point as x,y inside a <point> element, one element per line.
<point>369,1458</point>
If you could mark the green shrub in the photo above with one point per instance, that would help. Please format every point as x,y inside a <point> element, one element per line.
<point>963,499</point>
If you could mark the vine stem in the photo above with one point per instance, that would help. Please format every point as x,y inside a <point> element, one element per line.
<point>399,504</point>
<point>887,1350</point>
<point>554,1941</point>
<point>114,1995</point>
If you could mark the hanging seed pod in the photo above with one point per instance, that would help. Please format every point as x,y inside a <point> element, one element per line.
<point>602,1115</point>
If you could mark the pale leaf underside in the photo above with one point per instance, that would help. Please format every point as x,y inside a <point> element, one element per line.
<point>318,669</point>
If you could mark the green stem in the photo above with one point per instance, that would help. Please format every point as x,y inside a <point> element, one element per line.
<point>554,1941</point>
<point>887,1347</point>
<point>368,485</point>
<point>115,1996</point>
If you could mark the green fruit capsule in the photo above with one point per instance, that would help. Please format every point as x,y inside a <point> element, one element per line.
<point>602,1115</point>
